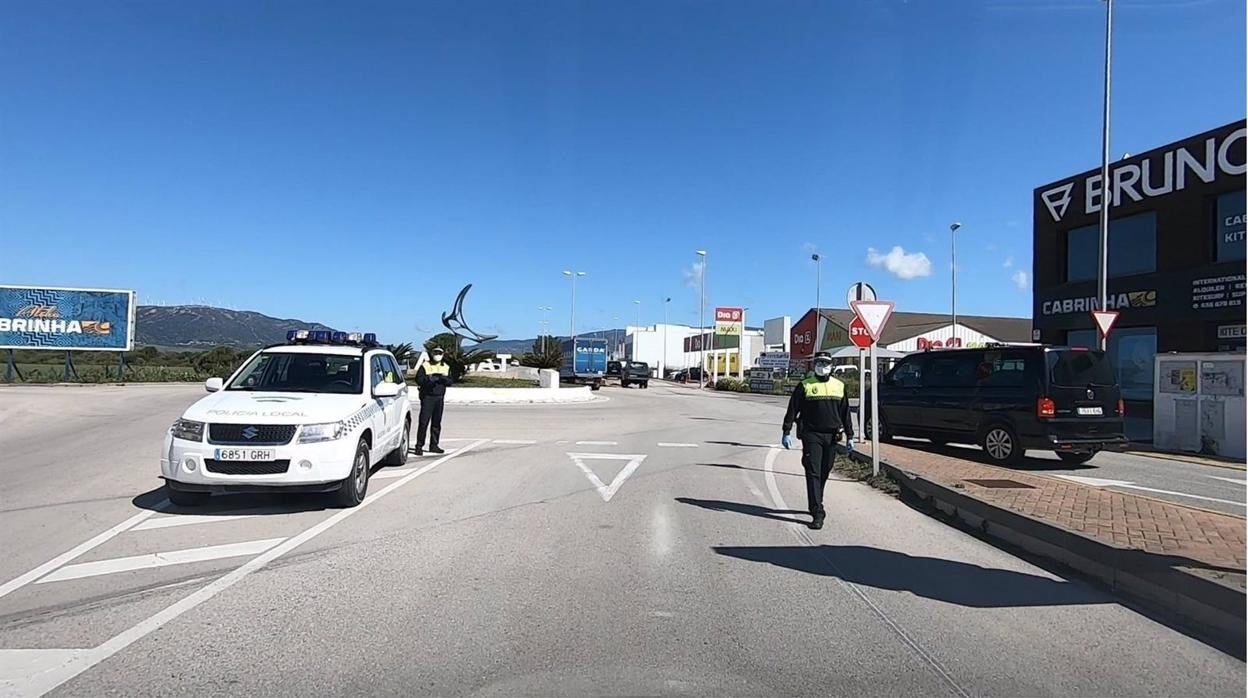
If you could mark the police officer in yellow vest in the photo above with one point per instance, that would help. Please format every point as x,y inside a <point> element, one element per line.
<point>431,380</point>
<point>821,411</point>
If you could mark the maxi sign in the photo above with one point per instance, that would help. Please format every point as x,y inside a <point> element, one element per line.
<point>81,319</point>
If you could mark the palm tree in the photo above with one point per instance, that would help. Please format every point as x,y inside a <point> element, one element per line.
<point>402,352</point>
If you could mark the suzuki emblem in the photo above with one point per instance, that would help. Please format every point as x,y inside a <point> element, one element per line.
<point>252,432</point>
<point>1091,395</point>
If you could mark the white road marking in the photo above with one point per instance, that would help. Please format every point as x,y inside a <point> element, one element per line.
<point>71,665</point>
<point>454,438</point>
<point>597,443</point>
<point>385,473</point>
<point>1235,480</point>
<point>22,668</point>
<point>518,442</point>
<point>769,465</point>
<point>669,444</point>
<point>1100,482</point>
<point>604,490</point>
<point>18,582</point>
<point>172,557</point>
<point>186,520</point>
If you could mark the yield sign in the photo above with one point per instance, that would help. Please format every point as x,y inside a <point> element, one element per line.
<point>858,333</point>
<point>874,315</point>
<point>605,490</point>
<point>1105,320</point>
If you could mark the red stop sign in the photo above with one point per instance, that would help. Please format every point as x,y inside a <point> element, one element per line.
<point>858,334</point>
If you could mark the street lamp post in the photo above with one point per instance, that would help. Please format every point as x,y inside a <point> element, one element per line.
<point>818,281</point>
<point>572,323</point>
<point>953,286</point>
<point>1102,268</point>
<point>543,324</point>
<point>702,322</point>
<point>663,366</point>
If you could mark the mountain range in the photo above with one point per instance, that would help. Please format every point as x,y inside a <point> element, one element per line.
<point>201,326</point>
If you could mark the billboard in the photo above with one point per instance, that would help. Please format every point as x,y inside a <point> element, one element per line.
<point>728,321</point>
<point>81,319</point>
<point>776,331</point>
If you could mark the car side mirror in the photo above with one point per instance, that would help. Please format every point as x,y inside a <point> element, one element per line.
<point>387,390</point>
<point>212,385</point>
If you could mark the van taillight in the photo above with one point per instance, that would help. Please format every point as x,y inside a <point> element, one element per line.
<point>1045,408</point>
<point>1122,408</point>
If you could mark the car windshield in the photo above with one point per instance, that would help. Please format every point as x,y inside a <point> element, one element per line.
<point>638,365</point>
<point>301,373</point>
<point>1080,367</point>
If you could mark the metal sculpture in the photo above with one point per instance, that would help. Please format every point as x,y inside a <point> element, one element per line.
<point>454,321</point>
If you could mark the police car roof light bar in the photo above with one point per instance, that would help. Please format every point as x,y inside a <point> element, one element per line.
<point>338,338</point>
<point>370,339</point>
<point>321,336</point>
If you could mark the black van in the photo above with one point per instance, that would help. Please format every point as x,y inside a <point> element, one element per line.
<point>1007,399</point>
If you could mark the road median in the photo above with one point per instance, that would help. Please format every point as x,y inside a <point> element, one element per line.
<point>1183,563</point>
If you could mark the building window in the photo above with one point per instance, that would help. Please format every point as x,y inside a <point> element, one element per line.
<point>1230,227</point>
<point>1132,248</point>
<point>1131,349</point>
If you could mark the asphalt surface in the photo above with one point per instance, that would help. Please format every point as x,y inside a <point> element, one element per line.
<point>523,563</point>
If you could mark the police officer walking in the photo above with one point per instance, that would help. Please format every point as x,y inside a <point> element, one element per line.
<point>821,412</point>
<point>431,380</point>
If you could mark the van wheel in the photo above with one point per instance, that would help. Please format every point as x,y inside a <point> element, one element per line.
<point>623,384</point>
<point>1075,458</point>
<point>645,384</point>
<point>355,486</point>
<point>885,435</point>
<point>1001,444</point>
<point>399,455</point>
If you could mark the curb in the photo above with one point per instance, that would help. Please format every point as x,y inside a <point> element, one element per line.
<point>1191,597</point>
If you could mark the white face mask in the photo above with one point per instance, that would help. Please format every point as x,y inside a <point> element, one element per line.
<point>823,370</point>
<point>436,358</point>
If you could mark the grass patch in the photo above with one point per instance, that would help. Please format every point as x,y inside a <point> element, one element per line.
<point>492,382</point>
<point>862,473</point>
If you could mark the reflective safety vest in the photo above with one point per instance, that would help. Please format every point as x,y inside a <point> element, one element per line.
<point>432,369</point>
<point>816,389</point>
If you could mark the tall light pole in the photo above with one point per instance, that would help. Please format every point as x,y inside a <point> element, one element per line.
<point>572,323</point>
<point>1102,268</point>
<point>818,281</point>
<point>702,321</point>
<point>663,366</point>
<point>543,325</point>
<point>953,286</point>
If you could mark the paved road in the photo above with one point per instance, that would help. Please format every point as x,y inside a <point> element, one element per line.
<point>637,545</point>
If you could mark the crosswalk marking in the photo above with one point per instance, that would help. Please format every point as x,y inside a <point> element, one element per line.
<point>597,443</point>
<point>173,557</point>
<point>186,520</point>
<point>518,442</point>
<point>388,472</point>
<point>669,444</point>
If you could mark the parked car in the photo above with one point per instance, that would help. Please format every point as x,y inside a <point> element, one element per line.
<point>688,374</point>
<point>634,373</point>
<point>1007,399</point>
<point>613,369</point>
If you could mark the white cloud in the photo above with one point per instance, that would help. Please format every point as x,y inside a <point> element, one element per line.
<point>1020,279</point>
<point>900,264</point>
<point>1009,262</point>
<point>693,275</point>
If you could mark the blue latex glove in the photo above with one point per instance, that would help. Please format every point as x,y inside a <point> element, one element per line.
<point>787,442</point>
<point>849,444</point>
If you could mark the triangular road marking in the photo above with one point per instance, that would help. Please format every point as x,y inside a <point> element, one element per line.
<point>607,491</point>
<point>874,314</point>
<point>1105,320</point>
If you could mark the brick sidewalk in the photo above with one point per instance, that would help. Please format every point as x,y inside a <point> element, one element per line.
<point>1122,520</point>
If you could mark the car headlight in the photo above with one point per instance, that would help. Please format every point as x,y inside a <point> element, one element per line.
<point>315,433</point>
<point>187,429</point>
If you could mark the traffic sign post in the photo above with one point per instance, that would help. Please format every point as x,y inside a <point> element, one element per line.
<point>1105,320</point>
<point>874,315</point>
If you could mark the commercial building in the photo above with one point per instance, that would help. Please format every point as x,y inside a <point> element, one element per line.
<point>673,347</point>
<point>828,330</point>
<point>1176,258</point>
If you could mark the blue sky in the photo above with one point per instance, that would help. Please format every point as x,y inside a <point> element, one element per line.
<point>357,163</point>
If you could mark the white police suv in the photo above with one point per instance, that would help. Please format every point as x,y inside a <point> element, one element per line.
<point>312,415</point>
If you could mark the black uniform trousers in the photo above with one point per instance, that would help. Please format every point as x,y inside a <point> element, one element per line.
<point>818,452</point>
<point>430,420</point>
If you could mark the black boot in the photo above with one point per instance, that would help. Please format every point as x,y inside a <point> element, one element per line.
<point>816,521</point>
<point>436,449</point>
<point>418,450</point>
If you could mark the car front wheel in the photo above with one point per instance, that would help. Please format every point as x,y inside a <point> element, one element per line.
<point>355,486</point>
<point>1001,444</point>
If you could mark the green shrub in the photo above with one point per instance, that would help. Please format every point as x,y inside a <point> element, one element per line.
<point>732,385</point>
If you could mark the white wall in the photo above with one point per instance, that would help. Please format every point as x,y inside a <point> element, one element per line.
<point>646,344</point>
<point>967,336</point>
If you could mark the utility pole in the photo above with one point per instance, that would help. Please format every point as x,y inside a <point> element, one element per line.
<point>702,322</point>
<point>818,283</point>
<point>1102,269</point>
<point>572,323</point>
<point>543,324</point>
<point>953,286</point>
<point>663,366</point>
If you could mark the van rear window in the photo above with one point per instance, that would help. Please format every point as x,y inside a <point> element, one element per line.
<point>1078,368</point>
